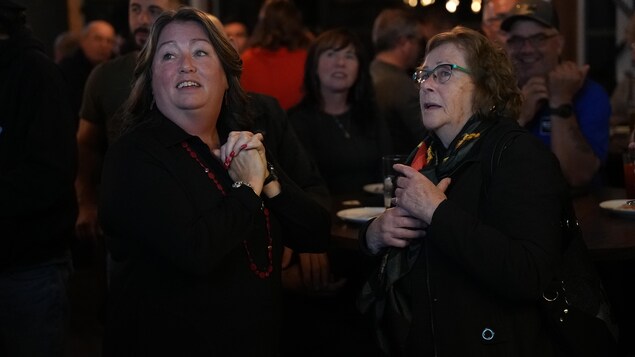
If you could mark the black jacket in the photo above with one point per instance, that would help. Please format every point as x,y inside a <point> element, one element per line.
<point>187,288</point>
<point>38,156</point>
<point>488,255</point>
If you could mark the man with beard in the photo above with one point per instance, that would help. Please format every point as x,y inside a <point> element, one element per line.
<point>106,89</point>
<point>566,110</point>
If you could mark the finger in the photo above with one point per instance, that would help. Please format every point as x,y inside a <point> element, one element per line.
<point>325,269</point>
<point>216,153</point>
<point>259,136</point>
<point>316,272</point>
<point>412,226</point>
<point>79,232</point>
<point>397,243</point>
<point>535,81</point>
<point>405,170</point>
<point>337,285</point>
<point>287,254</point>
<point>408,232</point>
<point>444,184</point>
<point>240,143</point>
<point>237,141</point>
<point>305,268</point>
<point>332,289</point>
<point>94,231</point>
<point>229,144</point>
<point>584,70</point>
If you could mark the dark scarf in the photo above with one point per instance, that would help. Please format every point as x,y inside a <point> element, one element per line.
<point>441,162</point>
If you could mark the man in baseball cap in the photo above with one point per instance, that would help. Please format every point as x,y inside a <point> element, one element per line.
<point>540,11</point>
<point>566,110</point>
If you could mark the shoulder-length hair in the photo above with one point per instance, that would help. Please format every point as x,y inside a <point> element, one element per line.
<point>141,100</point>
<point>361,95</point>
<point>279,26</point>
<point>496,87</point>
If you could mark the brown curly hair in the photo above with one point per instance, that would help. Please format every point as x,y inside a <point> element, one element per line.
<point>496,90</point>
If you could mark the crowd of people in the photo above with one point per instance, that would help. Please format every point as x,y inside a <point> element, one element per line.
<point>202,166</point>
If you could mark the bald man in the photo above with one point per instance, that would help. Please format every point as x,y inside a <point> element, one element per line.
<point>96,43</point>
<point>238,35</point>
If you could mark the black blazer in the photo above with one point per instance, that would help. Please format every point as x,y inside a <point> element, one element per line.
<point>488,256</point>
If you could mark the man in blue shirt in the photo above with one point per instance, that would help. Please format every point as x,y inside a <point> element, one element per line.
<point>564,108</point>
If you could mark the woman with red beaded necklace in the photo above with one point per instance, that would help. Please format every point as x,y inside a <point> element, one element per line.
<point>192,207</point>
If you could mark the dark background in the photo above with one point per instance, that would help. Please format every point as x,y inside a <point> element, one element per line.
<point>48,18</point>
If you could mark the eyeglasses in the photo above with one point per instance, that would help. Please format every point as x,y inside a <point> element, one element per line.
<point>535,41</point>
<point>441,73</point>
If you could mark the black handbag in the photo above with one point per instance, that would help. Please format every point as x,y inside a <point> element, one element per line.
<point>384,303</point>
<point>575,304</point>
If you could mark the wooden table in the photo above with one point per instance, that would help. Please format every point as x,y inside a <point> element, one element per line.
<point>608,237</point>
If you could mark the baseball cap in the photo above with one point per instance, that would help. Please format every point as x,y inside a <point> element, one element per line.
<point>11,5</point>
<point>540,11</point>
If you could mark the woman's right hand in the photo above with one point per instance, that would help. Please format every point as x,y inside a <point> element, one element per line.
<point>394,228</point>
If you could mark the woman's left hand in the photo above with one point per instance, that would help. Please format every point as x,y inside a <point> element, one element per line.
<point>417,194</point>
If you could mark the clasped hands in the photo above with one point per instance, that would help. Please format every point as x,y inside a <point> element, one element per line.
<point>416,200</point>
<point>558,87</point>
<point>244,158</point>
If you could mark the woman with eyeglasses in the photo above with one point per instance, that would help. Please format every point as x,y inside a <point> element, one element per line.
<point>474,235</point>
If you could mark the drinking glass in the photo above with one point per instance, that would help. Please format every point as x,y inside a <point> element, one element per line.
<point>390,175</point>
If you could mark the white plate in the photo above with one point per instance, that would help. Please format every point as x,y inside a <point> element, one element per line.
<point>360,214</point>
<point>616,206</point>
<point>377,188</point>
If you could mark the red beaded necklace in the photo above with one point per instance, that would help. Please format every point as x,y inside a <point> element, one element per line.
<point>262,274</point>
